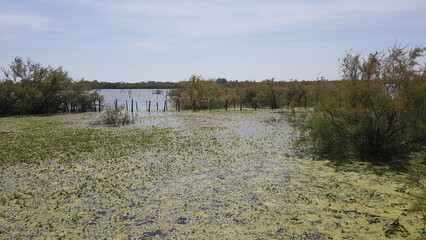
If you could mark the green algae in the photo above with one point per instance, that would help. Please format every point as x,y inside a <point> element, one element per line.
<point>188,175</point>
<point>37,139</point>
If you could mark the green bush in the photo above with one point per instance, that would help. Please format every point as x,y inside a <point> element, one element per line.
<point>115,117</point>
<point>379,113</point>
<point>30,88</point>
<point>198,93</point>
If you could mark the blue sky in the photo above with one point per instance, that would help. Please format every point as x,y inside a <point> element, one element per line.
<point>165,40</point>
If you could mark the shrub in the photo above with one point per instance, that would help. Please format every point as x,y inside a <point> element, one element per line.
<point>30,88</point>
<point>380,112</point>
<point>115,117</point>
<point>198,93</point>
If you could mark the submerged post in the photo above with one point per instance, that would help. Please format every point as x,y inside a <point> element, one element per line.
<point>157,105</point>
<point>149,106</point>
<point>116,103</point>
<point>99,105</point>
<point>132,106</point>
<point>137,109</point>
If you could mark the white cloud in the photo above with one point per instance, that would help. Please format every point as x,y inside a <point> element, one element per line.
<point>23,21</point>
<point>8,37</point>
<point>150,45</point>
<point>70,2</point>
<point>191,18</point>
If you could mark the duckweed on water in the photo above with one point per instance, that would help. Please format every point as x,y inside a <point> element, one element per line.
<point>36,139</point>
<point>202,175</point>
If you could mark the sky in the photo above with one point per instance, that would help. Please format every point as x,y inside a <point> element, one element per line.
<point>165,40</point>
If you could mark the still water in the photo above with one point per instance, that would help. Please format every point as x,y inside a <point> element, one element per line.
<point>141,97</point>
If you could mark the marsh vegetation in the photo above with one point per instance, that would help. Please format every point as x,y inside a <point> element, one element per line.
<point>203,175</point>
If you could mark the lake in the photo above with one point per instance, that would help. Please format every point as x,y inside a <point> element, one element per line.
<point>141,97</point>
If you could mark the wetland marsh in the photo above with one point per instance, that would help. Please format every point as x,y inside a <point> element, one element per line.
<point>187,175</point>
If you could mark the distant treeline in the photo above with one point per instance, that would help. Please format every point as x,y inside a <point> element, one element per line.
<point>198,93</point>
<point>124,85</point>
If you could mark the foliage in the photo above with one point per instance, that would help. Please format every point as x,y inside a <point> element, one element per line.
<point>247,92</point>
<point>115,117</point>
<point>198,93</point>
<point>378,110</point>
<point>30,88</point>
<point>415,185</point>
<point>269,93</point>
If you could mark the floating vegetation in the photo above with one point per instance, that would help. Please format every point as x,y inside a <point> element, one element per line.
<point>188,175</point>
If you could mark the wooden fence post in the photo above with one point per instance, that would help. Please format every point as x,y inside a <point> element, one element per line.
<point>178,104</point>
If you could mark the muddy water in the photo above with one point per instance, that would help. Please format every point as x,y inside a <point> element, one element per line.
<point>217,175</point>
